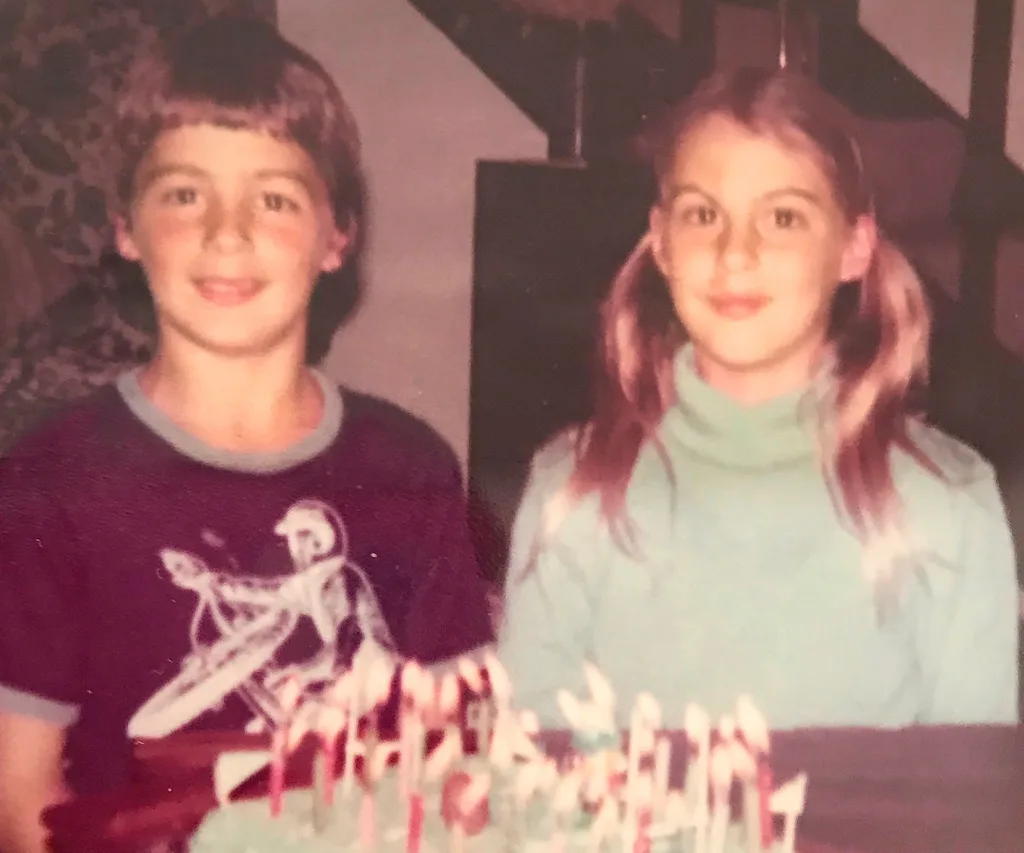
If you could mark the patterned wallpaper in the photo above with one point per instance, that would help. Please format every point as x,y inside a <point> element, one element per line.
<point>58,76</point>
<point>57,79</point>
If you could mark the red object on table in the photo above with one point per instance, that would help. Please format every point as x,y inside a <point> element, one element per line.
<point>415,831</point>
<point>642,844</point>
<point>474,820</point>
<point>764,796</point>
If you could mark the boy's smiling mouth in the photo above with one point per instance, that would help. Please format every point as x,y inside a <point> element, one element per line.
<point>228,291</point>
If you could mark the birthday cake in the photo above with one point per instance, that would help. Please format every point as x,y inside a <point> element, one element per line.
<point>705,789</point>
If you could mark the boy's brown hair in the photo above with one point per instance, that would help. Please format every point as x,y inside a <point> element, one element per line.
<point>240,73</point>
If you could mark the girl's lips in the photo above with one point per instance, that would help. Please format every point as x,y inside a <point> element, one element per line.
<point>737,307</point>
<point>228,291</point>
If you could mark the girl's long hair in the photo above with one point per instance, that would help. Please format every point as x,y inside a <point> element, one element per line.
<point>879,339</point>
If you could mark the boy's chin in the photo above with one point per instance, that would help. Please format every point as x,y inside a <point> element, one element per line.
<point>235,343</point>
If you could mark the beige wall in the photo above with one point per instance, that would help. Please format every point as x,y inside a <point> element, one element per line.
<point>933,38</point>
<point>426,115</point>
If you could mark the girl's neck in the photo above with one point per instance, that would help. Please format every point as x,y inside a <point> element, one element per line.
<point>760,384</point>
<point>246,405</point>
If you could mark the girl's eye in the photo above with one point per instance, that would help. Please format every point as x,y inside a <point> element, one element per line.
<point>279,203</point>
<point>785,218</point>
<point>700,215</point>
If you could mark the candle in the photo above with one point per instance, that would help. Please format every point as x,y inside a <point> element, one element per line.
<point>288,701</point>
<point>414,834</point>
<point>789,801</point>
<point>644,794</point>
<point>353,746</point>
<point>470,673</point>
<point>697,726</point>
<point>564,800</point>
<point>331,723</point>
<point>662,765</point>
<point>426,702</point>
<point>645,718</point>
<point>444,755</point>
<point>721,782</point>
<point>407,723</point>
<point>448,697</point>
<point>601,692</point>
<point>367,822</point>
<point>755,732</point>
<point>278,748</point>
<point>421,689</point>
<point>480,721</point>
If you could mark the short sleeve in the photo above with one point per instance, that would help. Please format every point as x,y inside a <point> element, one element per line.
<point>449,613</point>
<point>971,651</point>
<point>41,653</point>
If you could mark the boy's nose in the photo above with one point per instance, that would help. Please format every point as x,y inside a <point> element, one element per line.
<point>228,226</point>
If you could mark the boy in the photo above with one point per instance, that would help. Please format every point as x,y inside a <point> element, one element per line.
<point>174,549</point>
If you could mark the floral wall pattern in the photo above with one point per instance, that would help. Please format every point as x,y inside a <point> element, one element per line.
<point>58,77</point>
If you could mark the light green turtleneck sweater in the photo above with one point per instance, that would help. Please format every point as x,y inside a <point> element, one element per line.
<point>748,582</point>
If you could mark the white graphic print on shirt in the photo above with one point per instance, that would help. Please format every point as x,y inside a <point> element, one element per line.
<point>250,618</point>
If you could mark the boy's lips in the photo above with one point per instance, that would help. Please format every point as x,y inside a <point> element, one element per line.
<point>737,307</point>
<point>227,291</point>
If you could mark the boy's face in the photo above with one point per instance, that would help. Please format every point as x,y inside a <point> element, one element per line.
<point>232,228</point>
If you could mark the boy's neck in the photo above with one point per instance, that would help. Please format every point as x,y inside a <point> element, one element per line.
<point>244,405</point>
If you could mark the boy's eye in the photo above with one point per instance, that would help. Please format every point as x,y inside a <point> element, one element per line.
<point>277,202</point>
<point>181,196</point>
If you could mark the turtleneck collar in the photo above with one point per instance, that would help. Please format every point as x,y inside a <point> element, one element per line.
<point>717,427</point>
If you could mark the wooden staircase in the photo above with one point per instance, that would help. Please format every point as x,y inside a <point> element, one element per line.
<point>653,51</point>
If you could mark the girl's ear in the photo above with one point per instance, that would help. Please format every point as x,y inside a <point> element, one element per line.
<point>860,249</point>
<point>124,241</point>
<point>658,224</point>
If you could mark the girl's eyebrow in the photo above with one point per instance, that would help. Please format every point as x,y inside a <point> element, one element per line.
<point>682,189</point>
<point>799,192</point>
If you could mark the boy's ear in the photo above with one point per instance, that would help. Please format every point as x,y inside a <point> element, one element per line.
<point>336,250</point>
<point>124,241</point>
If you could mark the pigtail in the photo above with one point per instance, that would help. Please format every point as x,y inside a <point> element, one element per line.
<point>633,385</point>
<point>881,360</point>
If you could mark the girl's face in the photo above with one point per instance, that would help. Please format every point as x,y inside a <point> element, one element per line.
<point>753,245</point>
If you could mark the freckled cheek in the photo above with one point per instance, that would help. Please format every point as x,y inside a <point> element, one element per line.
<point>691,273</point>
<point>287,243</point>
<point>797,276</point>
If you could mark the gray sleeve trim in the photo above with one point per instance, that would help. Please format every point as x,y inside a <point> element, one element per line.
<point>24,704</point>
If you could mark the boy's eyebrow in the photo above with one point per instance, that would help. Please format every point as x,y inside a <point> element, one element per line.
<point>806,195</point>
<point>151,176</point>
<point>296,175</point>
<point>156,173</point>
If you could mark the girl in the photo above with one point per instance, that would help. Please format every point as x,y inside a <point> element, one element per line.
<point>752,507</point>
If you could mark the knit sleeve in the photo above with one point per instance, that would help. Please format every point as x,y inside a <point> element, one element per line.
<point>971,653</point>
<point>551,588</point>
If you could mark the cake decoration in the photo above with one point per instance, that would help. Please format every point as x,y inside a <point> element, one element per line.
<point>607,793</point>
